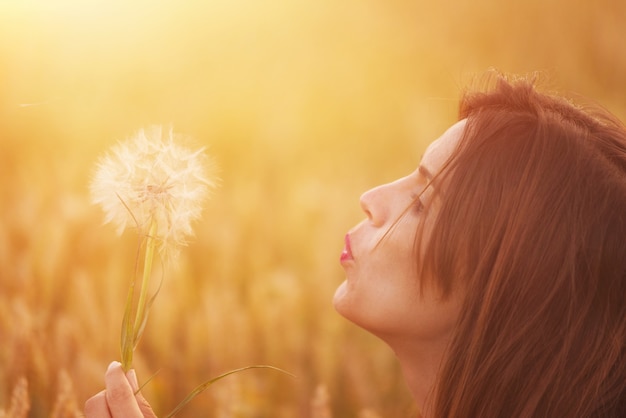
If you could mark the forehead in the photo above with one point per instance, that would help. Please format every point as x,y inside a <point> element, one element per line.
<point>442,148</point>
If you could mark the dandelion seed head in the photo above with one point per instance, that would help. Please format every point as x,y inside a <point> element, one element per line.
<point>152,178</point>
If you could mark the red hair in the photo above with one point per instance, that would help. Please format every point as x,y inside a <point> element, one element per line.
<point>533,230</point>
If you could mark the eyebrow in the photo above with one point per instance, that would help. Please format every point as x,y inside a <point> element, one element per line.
<point>425,172</point>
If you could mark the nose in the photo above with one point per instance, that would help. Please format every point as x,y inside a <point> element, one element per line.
<point>372,203</point>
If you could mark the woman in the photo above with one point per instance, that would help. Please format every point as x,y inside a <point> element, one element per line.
<point>497,270</point>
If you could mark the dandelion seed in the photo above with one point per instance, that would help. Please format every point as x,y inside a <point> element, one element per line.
<point>152,179</point>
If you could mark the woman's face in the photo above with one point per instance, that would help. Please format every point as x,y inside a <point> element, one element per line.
<point>381,292</point>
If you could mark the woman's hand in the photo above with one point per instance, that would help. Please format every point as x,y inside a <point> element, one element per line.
<point>118,400</point>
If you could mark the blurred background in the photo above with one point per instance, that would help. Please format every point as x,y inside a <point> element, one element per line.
<point>304,105</point>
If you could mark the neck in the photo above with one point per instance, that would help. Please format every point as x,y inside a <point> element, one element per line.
<point>420,362</point>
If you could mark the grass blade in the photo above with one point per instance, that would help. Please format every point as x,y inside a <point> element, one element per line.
<point>201,388</point>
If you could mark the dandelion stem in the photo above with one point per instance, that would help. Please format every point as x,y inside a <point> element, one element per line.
<point>147,272</point>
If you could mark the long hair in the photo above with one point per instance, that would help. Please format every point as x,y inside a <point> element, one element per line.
<point>533,230</point>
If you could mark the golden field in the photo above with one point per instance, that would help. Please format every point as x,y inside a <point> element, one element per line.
<point>303,105</point>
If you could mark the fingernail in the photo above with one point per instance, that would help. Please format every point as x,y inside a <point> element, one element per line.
<point>132,379</point>
<point>113,364</point>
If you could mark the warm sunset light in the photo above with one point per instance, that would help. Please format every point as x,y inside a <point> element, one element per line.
<point>303,105</point>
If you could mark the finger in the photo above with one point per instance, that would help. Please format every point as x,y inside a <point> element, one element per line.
<point>96,406</point>
<point>119,395</point>
<point>144,406</point>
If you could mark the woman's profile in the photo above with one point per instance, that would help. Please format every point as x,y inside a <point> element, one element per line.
<point>496,271</point>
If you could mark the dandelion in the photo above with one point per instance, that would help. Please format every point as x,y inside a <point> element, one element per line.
<point>151,183</point>
<point>154,184</point>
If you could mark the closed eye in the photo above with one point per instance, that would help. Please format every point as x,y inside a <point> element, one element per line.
<point>417,203</point>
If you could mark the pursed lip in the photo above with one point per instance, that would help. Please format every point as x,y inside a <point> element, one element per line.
<point>346,254</point>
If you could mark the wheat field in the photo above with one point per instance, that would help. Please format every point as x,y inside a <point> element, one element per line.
<point>303,105</point>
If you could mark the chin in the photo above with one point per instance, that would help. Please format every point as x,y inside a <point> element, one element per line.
<point>339,299</point>
<point>346,305</point>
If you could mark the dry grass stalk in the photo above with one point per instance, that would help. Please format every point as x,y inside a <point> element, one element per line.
<point>368,413</point>
<point>65,405</point>
<point>320,404</point>
<point>20,403</point>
